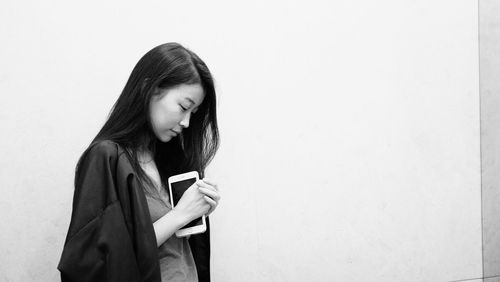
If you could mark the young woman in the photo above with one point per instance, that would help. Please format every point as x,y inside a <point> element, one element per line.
<point>122,224</point>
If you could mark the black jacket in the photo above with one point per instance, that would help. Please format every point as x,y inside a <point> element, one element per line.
<point>111,236</point>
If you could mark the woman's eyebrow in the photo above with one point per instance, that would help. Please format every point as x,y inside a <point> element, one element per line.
<point>192,103</point>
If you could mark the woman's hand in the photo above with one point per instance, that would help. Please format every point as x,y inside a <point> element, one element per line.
<point>192,204</point>
<point>211,191</point>
<point>200,198</point>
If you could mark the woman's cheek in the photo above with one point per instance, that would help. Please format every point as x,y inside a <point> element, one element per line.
<point>158,122</point>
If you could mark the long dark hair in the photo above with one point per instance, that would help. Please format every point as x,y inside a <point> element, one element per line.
<point>163,67</point>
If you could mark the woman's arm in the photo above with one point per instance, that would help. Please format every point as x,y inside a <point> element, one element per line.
<point>190,206</point>
<point>100,244</point>
<point>168,224</point>
<point>199,199</point>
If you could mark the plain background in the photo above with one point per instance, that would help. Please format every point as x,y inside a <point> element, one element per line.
<point>489,34</point>
<point>350,130</point>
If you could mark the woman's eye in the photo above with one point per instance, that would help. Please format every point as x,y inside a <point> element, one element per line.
<point>183,108</point>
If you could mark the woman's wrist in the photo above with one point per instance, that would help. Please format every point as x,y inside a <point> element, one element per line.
<point>168,224</point>
<point>181,218</point>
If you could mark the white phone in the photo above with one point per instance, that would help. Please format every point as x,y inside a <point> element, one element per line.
<point>177,185</point>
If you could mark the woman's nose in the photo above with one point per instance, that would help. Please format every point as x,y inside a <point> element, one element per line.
<point>185,121</point>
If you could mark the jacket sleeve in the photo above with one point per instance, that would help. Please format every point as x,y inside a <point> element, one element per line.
<point>98,245</point>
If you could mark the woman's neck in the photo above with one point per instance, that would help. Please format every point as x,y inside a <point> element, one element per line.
<point>144,155</point>
<point>146,145</point>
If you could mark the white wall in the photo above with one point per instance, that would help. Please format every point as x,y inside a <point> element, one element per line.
<point>350,130</point>
<point>489,34</point>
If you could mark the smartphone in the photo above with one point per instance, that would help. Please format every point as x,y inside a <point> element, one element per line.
<point>177,185</point>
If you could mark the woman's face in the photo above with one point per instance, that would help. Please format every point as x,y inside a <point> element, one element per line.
<point>171,109</point>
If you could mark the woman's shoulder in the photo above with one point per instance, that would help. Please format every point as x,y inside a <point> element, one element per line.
<point>107,153</point>
<point>105,148</point>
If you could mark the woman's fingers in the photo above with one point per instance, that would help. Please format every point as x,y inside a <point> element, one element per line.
<point>212,204</point>
<point>211,183</point>
<point>209,192</point>
<point>201,183</point>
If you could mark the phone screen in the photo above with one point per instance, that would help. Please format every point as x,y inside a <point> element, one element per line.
<point>178,188</point>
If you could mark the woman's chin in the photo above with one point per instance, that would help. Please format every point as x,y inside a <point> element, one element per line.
<point>165,138</point>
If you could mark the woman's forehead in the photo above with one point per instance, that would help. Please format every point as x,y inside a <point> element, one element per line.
<point>191,92</point>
